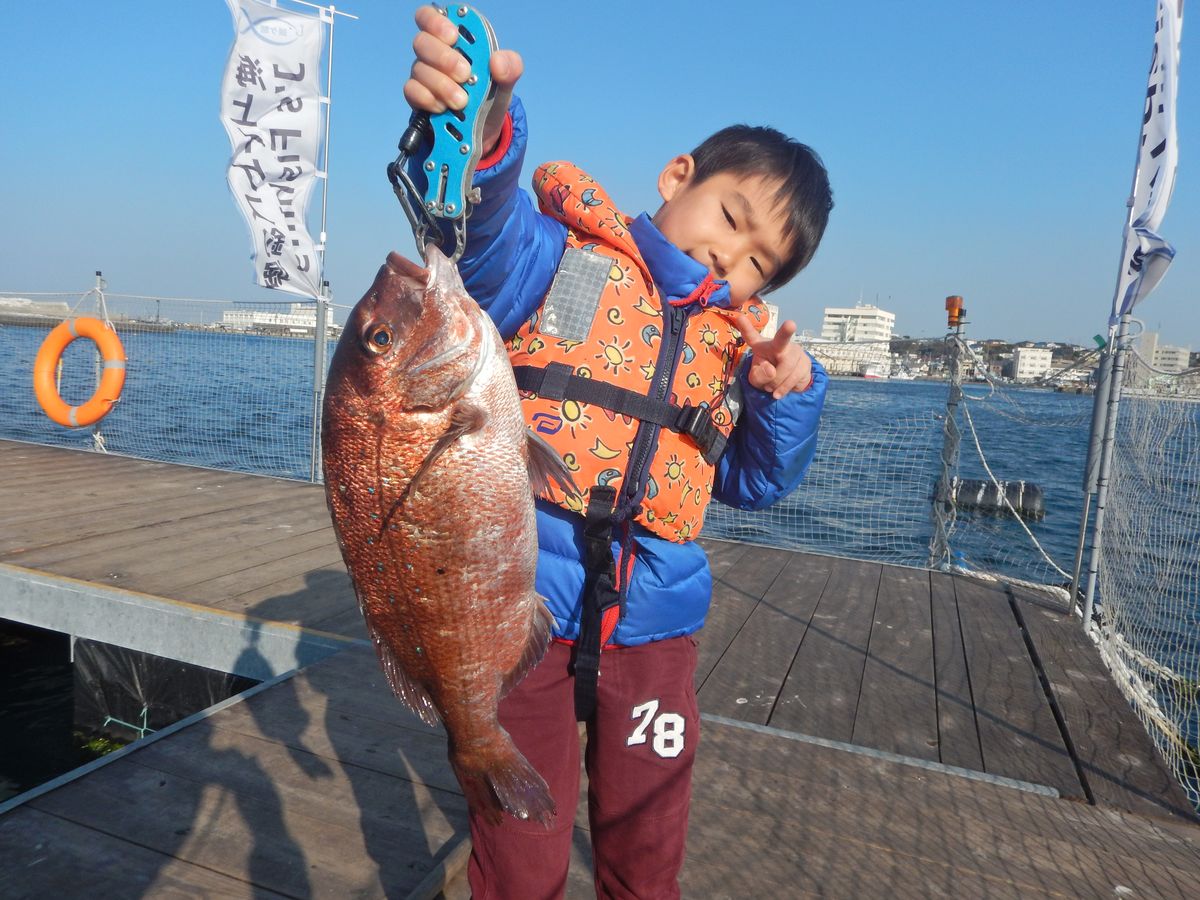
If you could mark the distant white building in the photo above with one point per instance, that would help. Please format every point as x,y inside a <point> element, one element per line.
<point>1163,357</point>
<point>1031,363</point>
<point>22,306</point>
<point>772,325</point>
<point>1172,359</point>
<point>858,323</point>
<point>856,340</point>
<point>301,318</point>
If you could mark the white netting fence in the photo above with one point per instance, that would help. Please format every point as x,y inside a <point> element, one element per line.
<point>209,382</point>
<point>1149,578</point>
<point>1016,455</point>
<point>230,385</point>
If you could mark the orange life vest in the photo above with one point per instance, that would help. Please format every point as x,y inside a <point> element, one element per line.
<point>602,320</point>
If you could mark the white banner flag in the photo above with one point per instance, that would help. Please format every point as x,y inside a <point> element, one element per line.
<point>271,108</point>
<point>1145,255</point>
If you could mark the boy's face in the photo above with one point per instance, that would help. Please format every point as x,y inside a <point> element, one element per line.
<point>729,223</point>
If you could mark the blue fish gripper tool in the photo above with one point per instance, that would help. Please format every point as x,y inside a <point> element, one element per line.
<point>455,142</point>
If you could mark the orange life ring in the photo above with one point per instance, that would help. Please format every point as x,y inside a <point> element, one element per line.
<point>111,380</point>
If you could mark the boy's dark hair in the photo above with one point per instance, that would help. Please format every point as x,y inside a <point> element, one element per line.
<point>804,190</point>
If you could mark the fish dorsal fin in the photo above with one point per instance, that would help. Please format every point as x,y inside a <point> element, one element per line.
<point>546,467</point>
<point>413,695</point>
<point>535,647</point>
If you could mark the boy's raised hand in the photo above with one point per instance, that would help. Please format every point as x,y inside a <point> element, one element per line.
<point>777,365</point>
<point>439,71</point>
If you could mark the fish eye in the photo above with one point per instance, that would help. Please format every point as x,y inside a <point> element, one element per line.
<point>379,339</point>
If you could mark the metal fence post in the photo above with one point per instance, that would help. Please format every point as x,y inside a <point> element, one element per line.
<point>1092,466</point>
<point>943,495</point>
<point>1105,465</point>
<point>320,336</point>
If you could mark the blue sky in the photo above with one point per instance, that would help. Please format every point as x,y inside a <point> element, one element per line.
<point>976,149</point>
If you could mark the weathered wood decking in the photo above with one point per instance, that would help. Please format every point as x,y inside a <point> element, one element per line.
<point>320,785</point>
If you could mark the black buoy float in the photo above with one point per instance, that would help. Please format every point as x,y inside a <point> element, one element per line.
<point>1026,498</point>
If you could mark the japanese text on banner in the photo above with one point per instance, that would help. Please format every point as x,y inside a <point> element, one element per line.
<point>270,106</point>
<point>1146,255</point>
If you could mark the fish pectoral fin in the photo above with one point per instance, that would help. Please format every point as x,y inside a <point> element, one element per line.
<point>546,467</point>
<point>535,647</point>
<point>413,695</point>
<point>466,418</point>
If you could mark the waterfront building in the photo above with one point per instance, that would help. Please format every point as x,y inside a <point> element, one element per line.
<point>1031,363</point>
<point>18,308</point>
<point>772,325</point>
<point>856,340</point>
<point>858,323</point>
<point>300,319</point>
<point>1163,357</point>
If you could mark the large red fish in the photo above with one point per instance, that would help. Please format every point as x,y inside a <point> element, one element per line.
<point>428,473</point>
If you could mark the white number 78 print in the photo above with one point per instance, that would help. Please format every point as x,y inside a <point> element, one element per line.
<point>668,729</point>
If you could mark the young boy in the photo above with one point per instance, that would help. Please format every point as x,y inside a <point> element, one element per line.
<point>636,345</point>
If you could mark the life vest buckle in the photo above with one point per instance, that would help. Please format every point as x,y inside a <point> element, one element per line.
<point>696,422</point>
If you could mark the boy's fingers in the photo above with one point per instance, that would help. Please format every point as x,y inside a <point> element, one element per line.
<point>763,375</point>
<point>507,66</point>
<point>789,376</point>
<point>420,97</point>
<point>434,22</point>
<point>746,327</point>
<point>433,52</point>
<point>784,335</point>
<point>445,90</point>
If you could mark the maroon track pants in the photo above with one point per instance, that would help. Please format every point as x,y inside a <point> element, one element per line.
<point>641,743</point>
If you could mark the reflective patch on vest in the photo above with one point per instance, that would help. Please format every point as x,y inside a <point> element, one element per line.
<point>575,294</point>
<point>734,400</point>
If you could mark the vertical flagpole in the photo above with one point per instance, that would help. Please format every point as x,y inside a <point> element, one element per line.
<point>1107,443</point>
<point>322,301</point>
<point>1100,404</point>
<point>1144,259</point>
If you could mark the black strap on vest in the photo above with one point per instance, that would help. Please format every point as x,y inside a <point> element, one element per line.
<point>558,381</point>
<point>599,594</point>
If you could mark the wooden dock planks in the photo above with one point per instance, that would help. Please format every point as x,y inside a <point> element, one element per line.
<point>828,823</point>
<point>958,731</point>
<point>1018,735</point>
<point>745,577</point>
<point>747,679</point>
<point>821,692</point>
<point>324,785</point>
<point>897,709</point>
<point>1115,753</point>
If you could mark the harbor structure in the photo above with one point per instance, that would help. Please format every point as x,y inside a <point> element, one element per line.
<point>861,322</point>
<point>1166,358</point>
<point>1031,363</point>
<point>856,340</point>
<point>301,318</point>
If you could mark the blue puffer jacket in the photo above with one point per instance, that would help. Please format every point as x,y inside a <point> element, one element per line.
<point>510,260</point>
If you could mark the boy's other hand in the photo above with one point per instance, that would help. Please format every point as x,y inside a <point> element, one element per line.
<point>435,82</point>
<point>777,365</point>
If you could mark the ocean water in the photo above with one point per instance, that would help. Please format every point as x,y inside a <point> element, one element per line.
<point>244,402</point>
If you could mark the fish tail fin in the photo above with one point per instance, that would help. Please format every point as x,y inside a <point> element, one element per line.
<point>505,782</point>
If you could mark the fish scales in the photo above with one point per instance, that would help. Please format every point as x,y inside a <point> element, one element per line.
<point>428,467</point>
